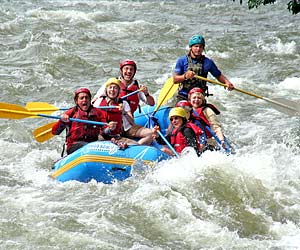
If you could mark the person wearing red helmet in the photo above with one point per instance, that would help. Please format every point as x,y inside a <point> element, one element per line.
<point>129,84</point>
<point>205,115</point>
<point>196,63</point>
<point>187,106</point>
<point>79,134</point>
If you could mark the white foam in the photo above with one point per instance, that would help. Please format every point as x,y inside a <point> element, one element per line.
<point>290,83</point>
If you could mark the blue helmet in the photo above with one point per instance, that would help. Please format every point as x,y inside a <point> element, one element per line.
<point>196,39</point>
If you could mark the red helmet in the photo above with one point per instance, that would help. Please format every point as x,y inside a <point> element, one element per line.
<point>128,62</point>
<point>197,90</point>
<point>183,104</point>
<point>82,90</point>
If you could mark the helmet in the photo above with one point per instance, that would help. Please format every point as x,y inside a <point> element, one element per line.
<point>128,62</point>
<point>196,39</point>
<point>183,104</point>
<point>178,111</point>
<point>197,90</point>
<point>111,81</point>
<point>186,105</point>
<point>82,90</point>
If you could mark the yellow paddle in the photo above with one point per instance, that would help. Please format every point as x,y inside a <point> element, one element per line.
<point>42,107</point>
<point>285,106</point>
<point>166,93</point>
<point>44,133</point>
<point>13,111</point>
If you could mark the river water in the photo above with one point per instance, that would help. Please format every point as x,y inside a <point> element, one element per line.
<point>249,200</point>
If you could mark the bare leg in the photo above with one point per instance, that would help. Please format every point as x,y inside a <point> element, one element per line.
<point>146,134</point>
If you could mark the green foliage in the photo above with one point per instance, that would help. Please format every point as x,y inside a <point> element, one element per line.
<point>293,5</point>
<point>256,3</point>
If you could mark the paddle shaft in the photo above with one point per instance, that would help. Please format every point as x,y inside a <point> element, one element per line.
<point>112,107</point>
<point>248,93</point>
<point>166,141</point>
<point>64,109</point>
<point>73,119</point>
<point>130,94</point>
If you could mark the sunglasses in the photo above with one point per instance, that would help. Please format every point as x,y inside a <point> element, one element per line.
<point>174,118</point>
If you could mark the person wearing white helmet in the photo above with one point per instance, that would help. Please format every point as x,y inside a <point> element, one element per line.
<point>196,63</point>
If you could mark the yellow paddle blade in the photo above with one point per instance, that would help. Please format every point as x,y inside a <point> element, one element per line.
<point>41,107</point>
<point>166,93</point>
<point>43,133</point>
<point>13,111</point>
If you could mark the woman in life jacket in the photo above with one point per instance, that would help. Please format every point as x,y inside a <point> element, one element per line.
<point>206,116</point>
<point>184,133</point>
<point>110,97</point>
<point>79,134</point>
<point>187,106</point>
<point>125,126</point>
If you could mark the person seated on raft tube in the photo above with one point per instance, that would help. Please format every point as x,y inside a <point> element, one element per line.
<point>184,133</point>
<point>205,114</point>
<point>129,84</point>
<point>78,133</point>
<point>187,106</point>
<point>123,116</point>
<point>195,63</point>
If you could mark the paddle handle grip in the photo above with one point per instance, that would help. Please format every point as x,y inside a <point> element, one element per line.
<point>74,120</point>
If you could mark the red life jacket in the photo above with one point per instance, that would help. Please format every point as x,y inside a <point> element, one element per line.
<point>133,100</point>
<point>113,115</point>
<point>200,116</point>
<point>78,131</point>
<point>178,140</point>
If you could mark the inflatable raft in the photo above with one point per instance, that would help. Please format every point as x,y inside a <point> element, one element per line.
<point>104,162</point>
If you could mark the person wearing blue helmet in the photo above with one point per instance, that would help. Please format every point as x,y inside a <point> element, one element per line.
<point>193,64</point>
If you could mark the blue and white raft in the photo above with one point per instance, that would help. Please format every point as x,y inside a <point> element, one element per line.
<point>104,162</point>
